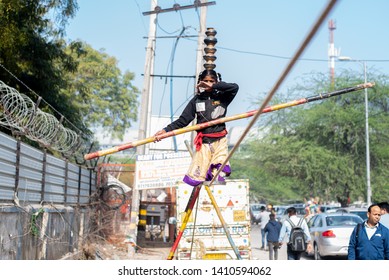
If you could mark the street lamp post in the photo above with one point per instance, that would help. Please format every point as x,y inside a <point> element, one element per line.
<point>345,58</point>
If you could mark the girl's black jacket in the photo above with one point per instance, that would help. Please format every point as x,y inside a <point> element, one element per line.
<point>207,106</point>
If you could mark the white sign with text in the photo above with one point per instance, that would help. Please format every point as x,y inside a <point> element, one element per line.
<point>161,170</point>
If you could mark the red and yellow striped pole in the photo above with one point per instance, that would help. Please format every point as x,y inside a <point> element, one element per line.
<point>188,212</point>
<point>224,120</point>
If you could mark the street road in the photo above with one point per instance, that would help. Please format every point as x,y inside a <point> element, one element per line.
<point>258,254</point>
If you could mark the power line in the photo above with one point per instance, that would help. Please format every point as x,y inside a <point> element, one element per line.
<point>285,57</point>
<point>288,58</point>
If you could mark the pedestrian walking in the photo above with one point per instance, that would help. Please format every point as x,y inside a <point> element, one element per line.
<point>370,239</point>
<point>272,230</point>
<point>384,213</point>
<point>264,219</point>
<point>270,208</point>
<point>287,230</point>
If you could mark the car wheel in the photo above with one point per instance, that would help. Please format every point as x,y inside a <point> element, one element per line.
<point>316,252</point>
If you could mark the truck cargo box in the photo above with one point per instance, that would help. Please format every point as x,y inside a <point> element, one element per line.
<point>204,236</point>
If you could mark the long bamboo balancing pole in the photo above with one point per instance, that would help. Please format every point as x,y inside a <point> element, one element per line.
<point>225,119</point>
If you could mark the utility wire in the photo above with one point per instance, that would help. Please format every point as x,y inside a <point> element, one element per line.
<point>141,15</point>
<point>283,57</point>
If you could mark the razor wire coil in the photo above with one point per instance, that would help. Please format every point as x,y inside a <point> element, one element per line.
<point>18,112</point>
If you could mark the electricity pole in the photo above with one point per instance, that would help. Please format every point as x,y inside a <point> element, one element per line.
<point>200,40</point>
<point>147,82</point>
<point>368,183</point>
<point>145,114</point>
<point>200,51</point>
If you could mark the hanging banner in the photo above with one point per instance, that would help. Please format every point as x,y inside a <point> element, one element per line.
<point>162,170</point>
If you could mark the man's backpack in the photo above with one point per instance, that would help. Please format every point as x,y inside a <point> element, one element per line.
<point>359,227</point>
<point>297,237</point>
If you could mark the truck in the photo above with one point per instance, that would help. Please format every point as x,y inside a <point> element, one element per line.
<point>204,236</point>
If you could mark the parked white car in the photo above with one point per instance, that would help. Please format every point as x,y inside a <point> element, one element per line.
<point>330,233</point>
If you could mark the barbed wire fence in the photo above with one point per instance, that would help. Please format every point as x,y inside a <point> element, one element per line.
<point>22,116</point>
<point>100,214</point>
<point>19,113</point>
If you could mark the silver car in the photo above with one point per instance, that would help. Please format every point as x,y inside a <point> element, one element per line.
<point>330,233</point>
<point>255,209</point>
<point>361,212</point>
<point>300,212</point>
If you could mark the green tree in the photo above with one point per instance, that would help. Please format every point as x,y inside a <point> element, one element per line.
<point>318,149</point>
<point>75,81</point>
<point>101,93</point>
<point>32,52</point>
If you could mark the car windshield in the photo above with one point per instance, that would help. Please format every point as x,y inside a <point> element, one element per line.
<point>280,211</point>
<point>361,214</point>
<point>300,211</point>
<point>255,207</point>
<point>343,220</point>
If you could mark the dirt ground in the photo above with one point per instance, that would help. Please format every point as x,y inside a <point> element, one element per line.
<point>113,252</point>
<point>117,250</point>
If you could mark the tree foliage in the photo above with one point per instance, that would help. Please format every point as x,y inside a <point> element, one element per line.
<point>32,51</point>
<point>319,149</point>
<point>75,81</point>
<point>100,92</point>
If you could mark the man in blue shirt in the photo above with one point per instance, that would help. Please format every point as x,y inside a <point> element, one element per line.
<point>370,240</point>
<point>272,229</point>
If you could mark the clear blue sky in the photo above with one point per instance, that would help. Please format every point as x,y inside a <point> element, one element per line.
<point>256,38</point>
